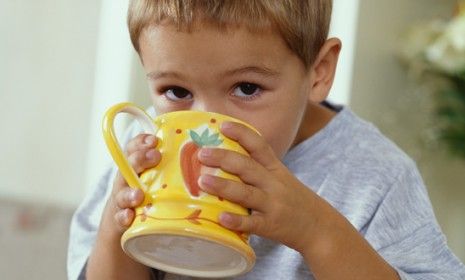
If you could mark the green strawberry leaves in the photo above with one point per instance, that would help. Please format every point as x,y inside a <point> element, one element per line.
<point>204,135</point>
<point>205,139</point>
<point>195,137</point>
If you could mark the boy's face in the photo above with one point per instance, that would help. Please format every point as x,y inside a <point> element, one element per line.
<point>253,77</point>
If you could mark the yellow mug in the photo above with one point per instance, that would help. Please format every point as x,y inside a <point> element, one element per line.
<point>176,229</point>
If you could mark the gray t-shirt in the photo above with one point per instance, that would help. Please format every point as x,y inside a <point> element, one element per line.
<point>366,177</point>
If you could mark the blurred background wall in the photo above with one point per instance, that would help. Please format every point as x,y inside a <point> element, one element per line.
<point>47,69</point>
<point>47,65</point>
<point>62,63</point>
<point>383,94</point>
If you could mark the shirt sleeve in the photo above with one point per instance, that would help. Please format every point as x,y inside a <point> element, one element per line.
<point>406,234</point>
<point>85,223</point>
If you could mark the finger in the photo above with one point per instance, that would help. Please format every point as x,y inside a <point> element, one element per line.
<point>129,198</point>
<point>119,183</point>
<point>144,159</point>
<point>250,224</point>
<point>141,141</point>
<point>237,192</point>
<point>253,143</point>
<point>141,159</point>
<point>235,163</point>
<point>124,218</point>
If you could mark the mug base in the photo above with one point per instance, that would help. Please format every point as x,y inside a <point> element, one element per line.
<point>187,253</point>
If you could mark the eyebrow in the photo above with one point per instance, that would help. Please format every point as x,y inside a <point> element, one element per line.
<point>159,74</point>
<point>254,69</point>
<point>241,70</point>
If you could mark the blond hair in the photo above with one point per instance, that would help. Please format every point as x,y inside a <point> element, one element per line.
<point>303,24</point>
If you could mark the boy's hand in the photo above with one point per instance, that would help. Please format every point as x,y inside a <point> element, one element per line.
<point>142,155</point>
<point>283,209</point>
<point>107,260</point>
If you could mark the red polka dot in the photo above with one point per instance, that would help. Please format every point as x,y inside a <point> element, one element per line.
<point>147,208</point>
<point>220,198</point>
<point>213,120</point>
<point>178,131</point>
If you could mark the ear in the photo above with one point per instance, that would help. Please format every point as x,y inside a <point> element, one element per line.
<point>323,70</point>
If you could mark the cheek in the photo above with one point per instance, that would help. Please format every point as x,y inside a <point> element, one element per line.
<point>280,132</point>
<point>288,123</point>
<point>160,105</point>
<point>155,103</point>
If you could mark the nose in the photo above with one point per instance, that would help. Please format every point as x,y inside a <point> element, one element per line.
<point>211,104</point>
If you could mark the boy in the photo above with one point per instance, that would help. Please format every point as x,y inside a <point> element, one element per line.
<point>331,198</point>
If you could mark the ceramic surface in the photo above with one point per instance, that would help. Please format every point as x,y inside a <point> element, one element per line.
<point>174,206</point>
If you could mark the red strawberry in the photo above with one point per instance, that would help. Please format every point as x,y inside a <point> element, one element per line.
<point>190,165</point>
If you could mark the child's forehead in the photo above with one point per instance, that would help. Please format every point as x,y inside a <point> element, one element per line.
<point>207,43</point>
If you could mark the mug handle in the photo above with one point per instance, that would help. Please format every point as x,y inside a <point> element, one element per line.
<point>112,142</point>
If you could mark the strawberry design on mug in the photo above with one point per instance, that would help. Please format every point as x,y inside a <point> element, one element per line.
<point>190,165</point>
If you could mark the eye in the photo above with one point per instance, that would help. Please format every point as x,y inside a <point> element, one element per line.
<point>247,90</point>
<point>176,93</point>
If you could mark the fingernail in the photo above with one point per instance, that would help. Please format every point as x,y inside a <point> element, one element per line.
<point>150,154</point>
<point>226,125</point>
<point>122,217</point>
<point>149,140</point>
<point>205,152</point>
<point>133,195</point>
<point>226,219</point>
<point>206,180</point>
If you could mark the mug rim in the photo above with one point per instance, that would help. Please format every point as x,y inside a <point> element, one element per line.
<point>203,113</point>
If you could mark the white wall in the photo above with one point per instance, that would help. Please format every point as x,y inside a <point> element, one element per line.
<point>113,78</point>
<point>47,55</point>
<point>383,94</point>
<point>344,21</point>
